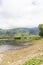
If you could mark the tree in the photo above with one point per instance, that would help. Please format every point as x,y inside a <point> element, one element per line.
<point>41,29</point>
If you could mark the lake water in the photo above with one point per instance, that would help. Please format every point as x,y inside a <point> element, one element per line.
<point>8,47</point>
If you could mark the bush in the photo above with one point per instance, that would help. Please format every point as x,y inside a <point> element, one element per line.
<point>33,62</point>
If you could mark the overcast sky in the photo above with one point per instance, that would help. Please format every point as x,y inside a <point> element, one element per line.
<point>20,13</point>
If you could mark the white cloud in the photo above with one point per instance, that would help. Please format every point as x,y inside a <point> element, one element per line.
<point>21,13</point>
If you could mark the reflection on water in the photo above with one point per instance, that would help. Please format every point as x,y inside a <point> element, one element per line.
<point>8,47</point>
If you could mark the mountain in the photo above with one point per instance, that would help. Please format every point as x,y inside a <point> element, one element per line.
<point>20,30</point>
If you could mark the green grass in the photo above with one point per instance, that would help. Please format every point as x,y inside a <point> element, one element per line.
<point>34,62</point>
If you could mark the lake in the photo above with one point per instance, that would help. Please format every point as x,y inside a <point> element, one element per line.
<point>8,47</point>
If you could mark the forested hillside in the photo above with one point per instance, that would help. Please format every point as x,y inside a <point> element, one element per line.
<point>19,30</point>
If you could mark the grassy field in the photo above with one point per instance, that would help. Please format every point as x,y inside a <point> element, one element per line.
<point>32,54</point>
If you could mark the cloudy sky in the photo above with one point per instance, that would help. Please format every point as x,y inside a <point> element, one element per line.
<point>20,13</point>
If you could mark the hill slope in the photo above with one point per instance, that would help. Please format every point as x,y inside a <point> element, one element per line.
<point>34,30</point>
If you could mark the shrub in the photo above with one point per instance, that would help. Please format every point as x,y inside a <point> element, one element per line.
<point>33,62</point>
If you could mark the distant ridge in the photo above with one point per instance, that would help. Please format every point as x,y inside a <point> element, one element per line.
<point>33,30</point>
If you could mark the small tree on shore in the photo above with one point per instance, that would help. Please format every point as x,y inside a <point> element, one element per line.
<point>41,29</point>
